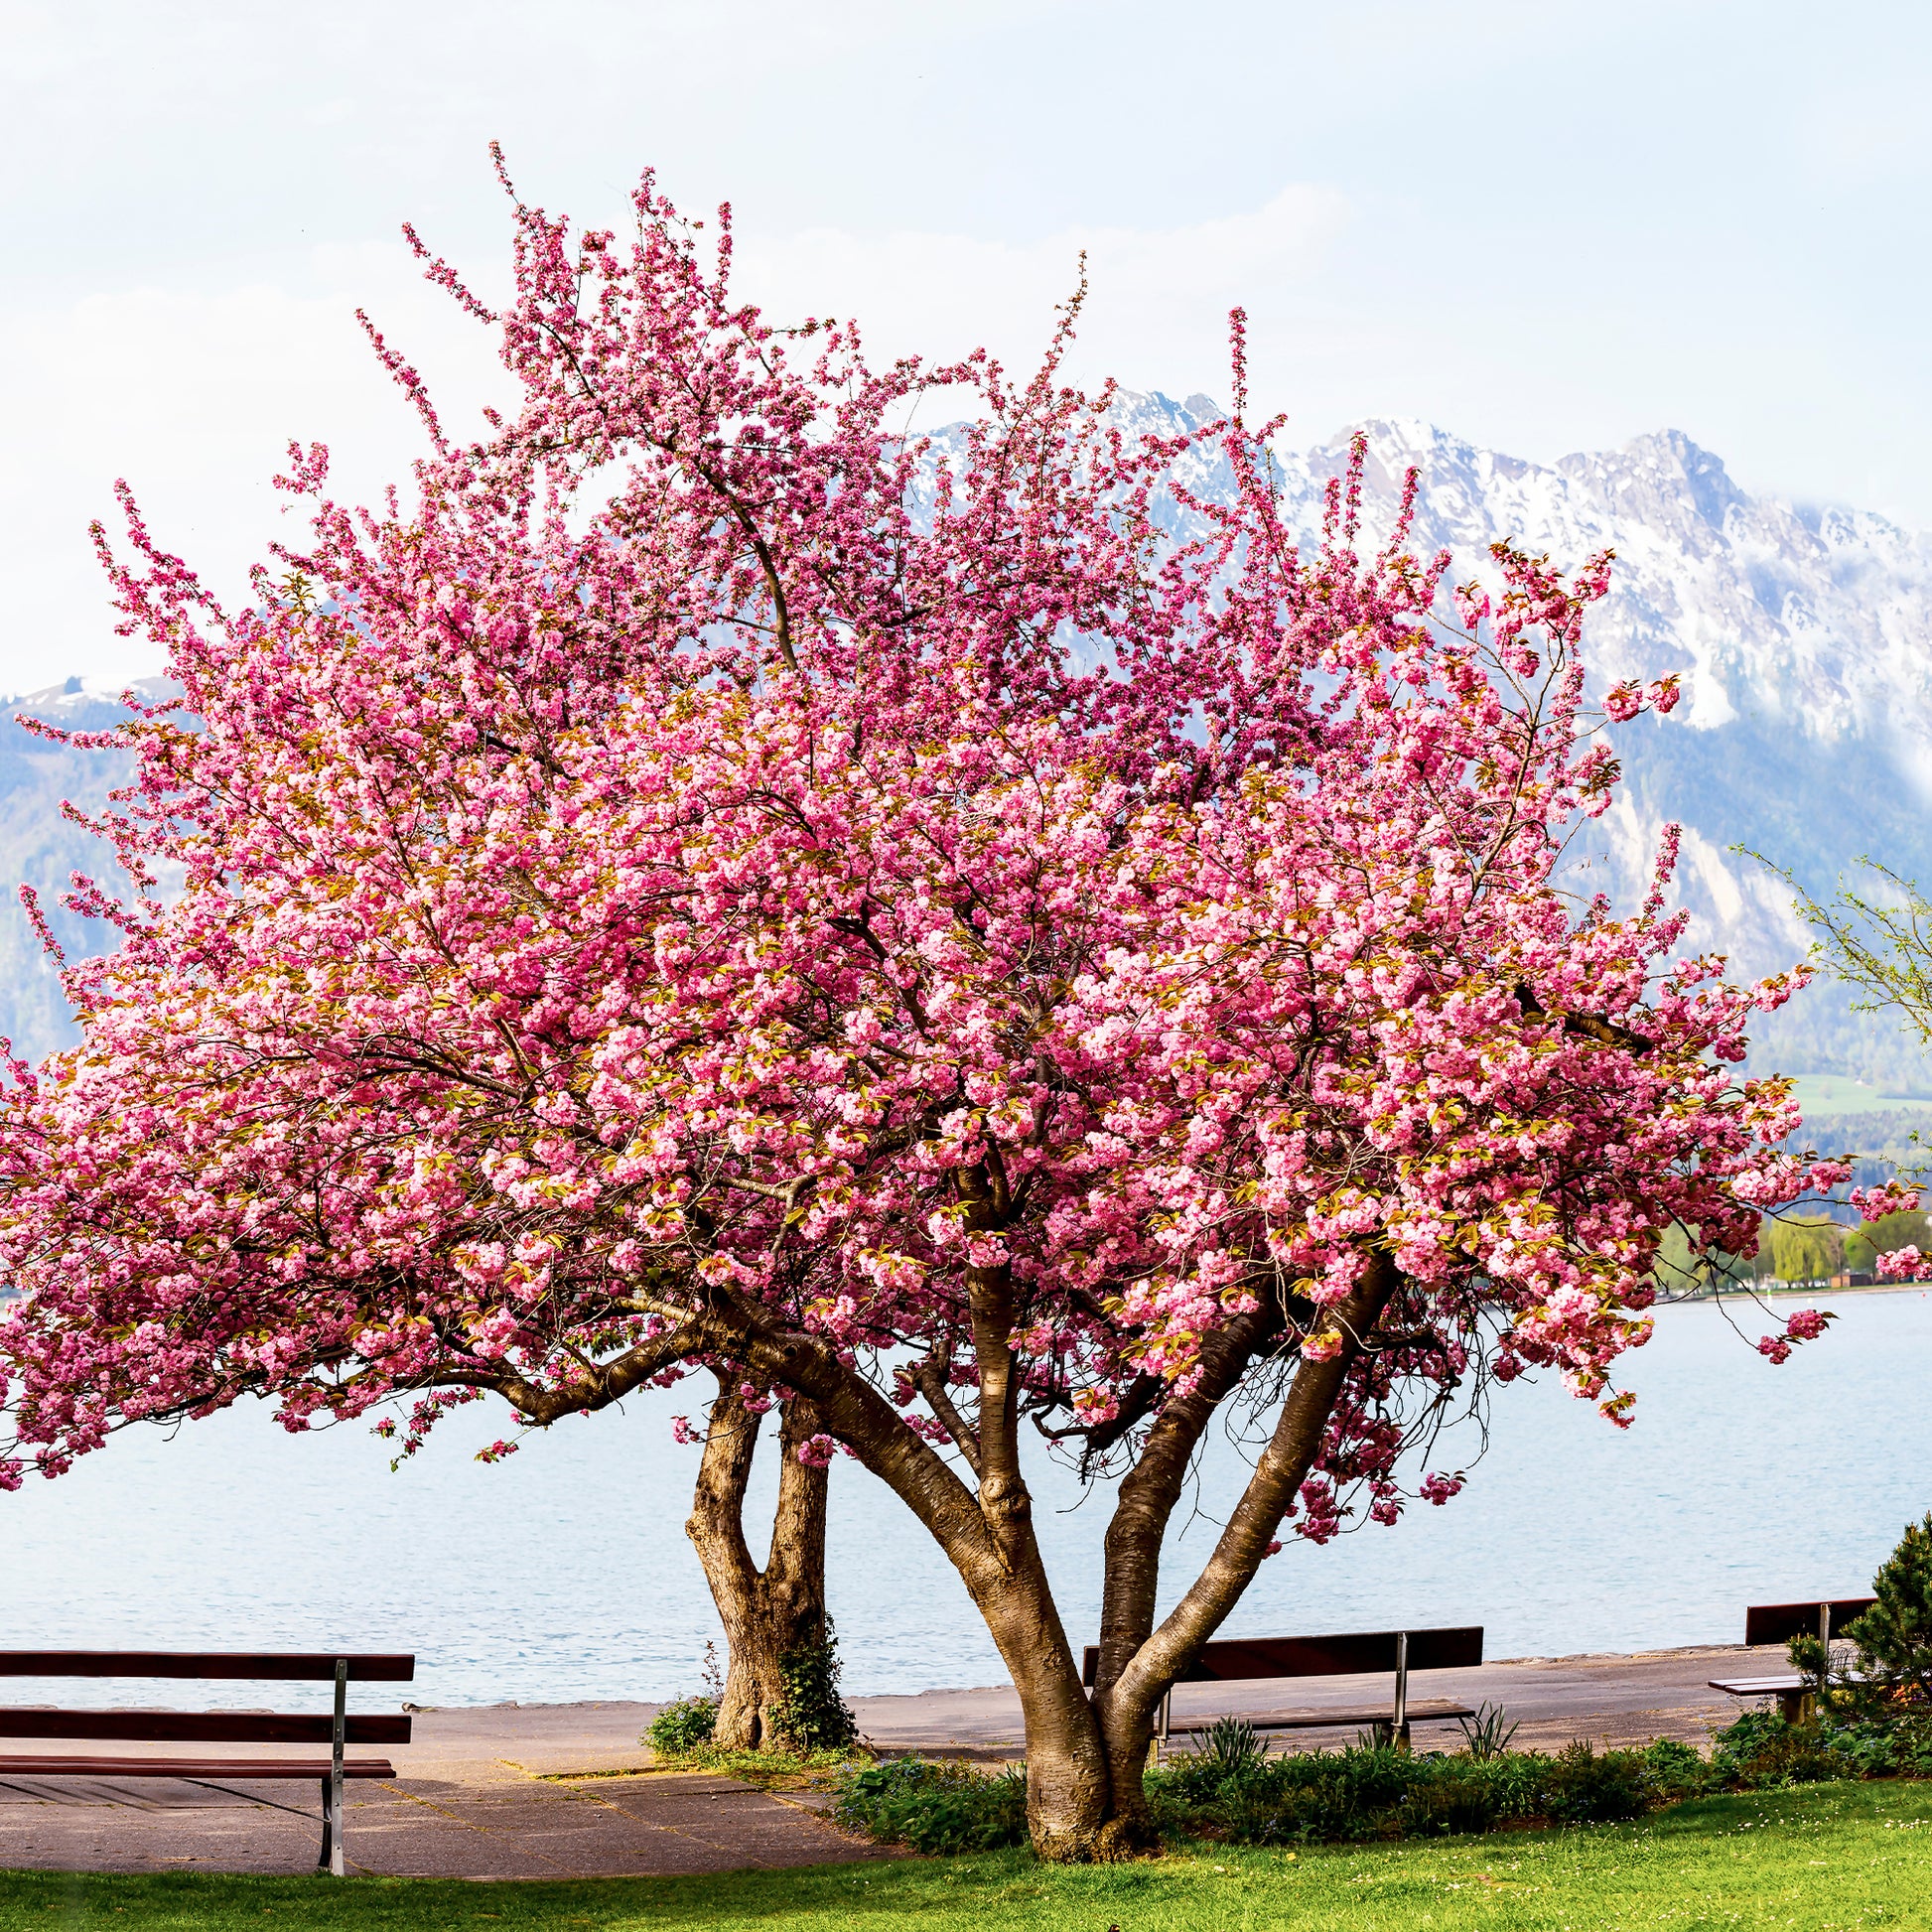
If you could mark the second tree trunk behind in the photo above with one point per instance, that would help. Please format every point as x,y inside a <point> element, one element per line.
<point>774,1612</point>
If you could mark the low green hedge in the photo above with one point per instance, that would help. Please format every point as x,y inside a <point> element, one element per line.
<point>1235,1795</point>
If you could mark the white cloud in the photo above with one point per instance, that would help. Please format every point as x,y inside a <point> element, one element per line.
<point>193,399</point>
<point>1158,309</point>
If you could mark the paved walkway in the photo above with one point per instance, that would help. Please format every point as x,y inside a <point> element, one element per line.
<point>564,1791</point>
<point>500,1792</point>
<point>1618,1700</point>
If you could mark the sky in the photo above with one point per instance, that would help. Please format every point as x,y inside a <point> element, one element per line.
<point>1545,227</point>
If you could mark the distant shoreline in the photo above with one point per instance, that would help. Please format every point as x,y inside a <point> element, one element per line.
<point>1755,1291</point>
<point>1870,1288</point>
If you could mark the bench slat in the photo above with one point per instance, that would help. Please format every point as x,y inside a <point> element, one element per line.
<point>207,1727</point>
<point>291,1665</point>
<point>41,1766</point>
<point>1779,1686</point>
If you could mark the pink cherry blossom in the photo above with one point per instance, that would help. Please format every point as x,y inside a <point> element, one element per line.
<point>1874,1203</point>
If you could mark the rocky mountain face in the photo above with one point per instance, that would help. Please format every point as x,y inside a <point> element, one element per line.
<point>1804,637</point>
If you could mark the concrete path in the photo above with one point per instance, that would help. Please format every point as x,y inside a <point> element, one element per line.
<point>563,1791</point>
<point>1617,1699</point>
<point>513,1828</point>
<point>477,1795</point>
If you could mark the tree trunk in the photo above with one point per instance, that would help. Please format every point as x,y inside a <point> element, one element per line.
<point>1070,1814</point>
<point>1127,1703</point>
<point>1085,1758</point>
<point>781,1608</point>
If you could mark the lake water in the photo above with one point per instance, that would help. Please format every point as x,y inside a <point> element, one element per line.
<point>564,1573</point>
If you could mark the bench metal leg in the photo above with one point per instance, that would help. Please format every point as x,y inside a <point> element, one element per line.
<point>1399,1728</point>
<point>330,1861</point>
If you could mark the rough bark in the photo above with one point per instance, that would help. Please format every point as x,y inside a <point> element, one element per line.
<point>781,1608</point>
<point>1066,1769</point>
<point>1126,1708</point>
<point>1152,1487</point>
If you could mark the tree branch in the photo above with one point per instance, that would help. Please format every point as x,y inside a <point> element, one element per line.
<point>1243,1544</point>
<point>929,1378</point>
<point>1149,1490</point>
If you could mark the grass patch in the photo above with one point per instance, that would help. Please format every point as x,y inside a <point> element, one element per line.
<point>766,1770</point>
<point>1822,1859</point>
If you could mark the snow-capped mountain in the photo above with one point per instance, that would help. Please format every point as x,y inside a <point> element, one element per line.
<point>1804,639</point>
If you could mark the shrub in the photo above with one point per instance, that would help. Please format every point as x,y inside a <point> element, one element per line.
<point>1761,1750</point>
<point>1909,1741</point>
<point>813,1716</point>
<point>1307,1797</point>
<point>1376,1791</point>
<point>1228,1790</point>
<point>1464,1799</point>
<point>1875,1750</point>
<point>683,1726</point>
<point>1893,1638</point>
<point>1583,1788</point>
<point>936,1807</point>
<point>1189,1777</point>
<point>1675,1771</point>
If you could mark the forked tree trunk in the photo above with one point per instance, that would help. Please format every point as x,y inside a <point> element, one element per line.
<point>781,1608</point>
<point>1145,1660</point>
<point>1085,1758</point>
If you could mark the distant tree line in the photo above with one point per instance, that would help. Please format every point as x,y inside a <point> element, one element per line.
<point>1808,1246</point>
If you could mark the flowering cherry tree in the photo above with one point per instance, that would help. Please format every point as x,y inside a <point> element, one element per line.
<point>720,884</point>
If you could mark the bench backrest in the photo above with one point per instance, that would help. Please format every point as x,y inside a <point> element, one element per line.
<point>1780,1623</point>
<point>1342,1655</point>
<point>207,1727</point>
<point>289,1666</point>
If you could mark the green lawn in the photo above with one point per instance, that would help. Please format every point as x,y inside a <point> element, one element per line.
<point>1827,1855</point>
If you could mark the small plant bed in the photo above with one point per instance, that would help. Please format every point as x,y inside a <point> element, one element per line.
<point>1231,1792</point>
<point>767,1770</point>
<point>812,1729</point>
<point>938,1806</point>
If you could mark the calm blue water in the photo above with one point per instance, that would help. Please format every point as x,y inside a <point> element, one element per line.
<point>564,1573</point>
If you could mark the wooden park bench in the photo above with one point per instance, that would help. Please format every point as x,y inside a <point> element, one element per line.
<point>335,1730</point>
<point>1767,1623</point>
<point>1237,1659</point>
